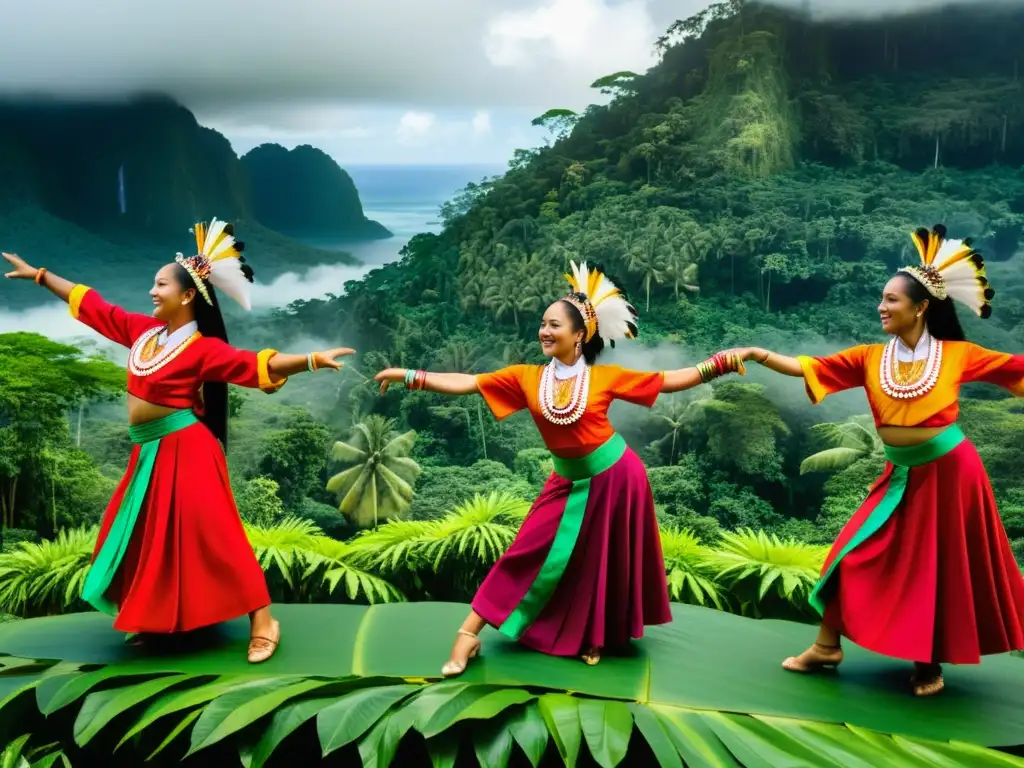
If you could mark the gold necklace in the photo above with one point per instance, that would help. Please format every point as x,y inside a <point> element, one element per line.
<point>906,374</point>
<point>563,392</point>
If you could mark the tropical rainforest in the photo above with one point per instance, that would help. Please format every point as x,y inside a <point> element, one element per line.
<point>757,186</point>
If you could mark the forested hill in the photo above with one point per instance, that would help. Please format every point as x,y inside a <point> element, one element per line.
<point>766,173</point>
<point>107,192</point>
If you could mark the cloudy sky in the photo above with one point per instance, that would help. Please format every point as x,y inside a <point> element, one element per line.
<point>369,81</point>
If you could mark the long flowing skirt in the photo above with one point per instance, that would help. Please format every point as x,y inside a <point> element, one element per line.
<point>184,562</point>
<point>936,580</point>
<point>586,569</point>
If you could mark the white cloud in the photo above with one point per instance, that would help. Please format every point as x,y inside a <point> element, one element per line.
<point>414,127</point>
<point>582,34</point>
<point>482,123</point>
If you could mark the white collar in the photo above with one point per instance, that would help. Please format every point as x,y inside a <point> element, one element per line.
<point>905,354</point>
<point>563,371</point>
<point>178,336</point>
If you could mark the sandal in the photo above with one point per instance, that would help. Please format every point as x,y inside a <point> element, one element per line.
<point>927,680</point>
<point>262,648</point>
<point>824,656</point>
<point>453,667</point>
<point>591,656</point>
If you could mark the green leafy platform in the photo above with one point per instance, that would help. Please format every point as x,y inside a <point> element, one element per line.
<point>361,682</point>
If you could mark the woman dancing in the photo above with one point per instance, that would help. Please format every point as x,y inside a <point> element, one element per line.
<point>923,571</point>
<point>172,555</point>
<point>586,570</point>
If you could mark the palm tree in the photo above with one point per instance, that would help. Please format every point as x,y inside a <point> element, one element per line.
<point>379,484</point>
<point>852,440</point>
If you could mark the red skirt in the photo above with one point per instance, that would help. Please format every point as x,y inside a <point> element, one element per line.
<point>613,582</point>
<point>188,563</point>
<point>938,581</point>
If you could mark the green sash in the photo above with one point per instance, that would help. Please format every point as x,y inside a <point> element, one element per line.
<point>902,459</point>
<point>579,471</point>
<point>108,560</point>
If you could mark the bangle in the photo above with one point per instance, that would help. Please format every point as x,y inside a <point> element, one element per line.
<point>309,362</point>
<point>409,376</point>
<point>39,275</point>
<point>420,380</point>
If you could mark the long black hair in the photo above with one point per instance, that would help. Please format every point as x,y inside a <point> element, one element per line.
<point>592,348</point>
<point>940,317</point>
<point>211,323</point>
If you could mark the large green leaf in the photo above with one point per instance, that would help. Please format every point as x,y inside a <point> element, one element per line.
<point>369,683</point>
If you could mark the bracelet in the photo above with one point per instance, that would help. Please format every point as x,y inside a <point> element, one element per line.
<point>409,376</point>
<point>39,275</point>
<point>719,364</point>
<point>421,379</point>
<point>309,362</point>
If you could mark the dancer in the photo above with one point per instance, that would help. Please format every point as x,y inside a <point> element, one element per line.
<point>586,570</point>
<point>172,555</point>
<point>923,571</point>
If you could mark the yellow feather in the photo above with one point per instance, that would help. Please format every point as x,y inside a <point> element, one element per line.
<point>200,230</point>
<point>933,247</point>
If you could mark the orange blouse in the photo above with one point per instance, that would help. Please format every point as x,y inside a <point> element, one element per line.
<point>178,383</point>
<point>962,363</point>
<point>511,389</point>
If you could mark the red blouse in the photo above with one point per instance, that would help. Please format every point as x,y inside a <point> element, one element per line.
<point>962,362</point>
<point>517,387</point>
<point>176,384</point>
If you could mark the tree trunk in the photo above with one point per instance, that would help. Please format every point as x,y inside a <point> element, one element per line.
<point>480,418</point>
<point>78,433</point>
<point>936,150</point>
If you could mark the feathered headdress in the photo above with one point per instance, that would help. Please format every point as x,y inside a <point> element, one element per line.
<point>604,307</point>
<point>951,269</point>
<point>219,262</point>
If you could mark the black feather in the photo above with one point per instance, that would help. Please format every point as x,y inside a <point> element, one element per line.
<point>940,230</point>
<point>989,294</point>
<point>247,271</point>
<point>986,312</point>
<point>229,229</point>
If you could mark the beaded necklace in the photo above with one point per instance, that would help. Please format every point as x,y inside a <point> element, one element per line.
<point>908,387</point>
<point>558,409</point>
<point>154,349</point>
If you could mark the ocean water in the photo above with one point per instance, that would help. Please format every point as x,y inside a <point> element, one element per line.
<point>405,199</point>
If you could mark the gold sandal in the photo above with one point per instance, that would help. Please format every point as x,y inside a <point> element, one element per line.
<point>454,668</point>
<point>833,657</point>
<point>927,685</point>
<point>258,653</point>
<point>591,656</point>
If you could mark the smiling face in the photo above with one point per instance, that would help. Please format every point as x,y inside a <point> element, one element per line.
<point>170,297</point>
<point>899,312</point>
<point>557,336</point>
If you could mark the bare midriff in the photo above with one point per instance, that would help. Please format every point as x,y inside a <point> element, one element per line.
<point>142,412</point>
<point>900,437</point>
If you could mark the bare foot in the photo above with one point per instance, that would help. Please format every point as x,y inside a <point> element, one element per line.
<point>591,656</point>
<point>927,679</point>
<point>815,658</point>
<point>467,646</point>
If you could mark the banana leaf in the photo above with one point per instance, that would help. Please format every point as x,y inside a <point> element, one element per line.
<point>705,689</point>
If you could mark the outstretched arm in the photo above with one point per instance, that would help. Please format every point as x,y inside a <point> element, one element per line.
<point>788,366</point>
<point>729,361</point>
<point>58,286</point>
<point>443,383</point>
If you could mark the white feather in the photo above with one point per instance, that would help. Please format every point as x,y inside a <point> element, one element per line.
<point>947,250</point>
<point>613,311</point>
<point>226,276</point>
<point>963,284</point>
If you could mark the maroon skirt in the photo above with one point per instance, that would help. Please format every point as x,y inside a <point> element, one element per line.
<point>586,569</point>
<point>936,581</point>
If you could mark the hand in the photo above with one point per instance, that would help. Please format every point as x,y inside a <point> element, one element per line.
<point>389,375</point>
<point>22,270</point>
<point>328,359</point>
<point>748,353</point>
